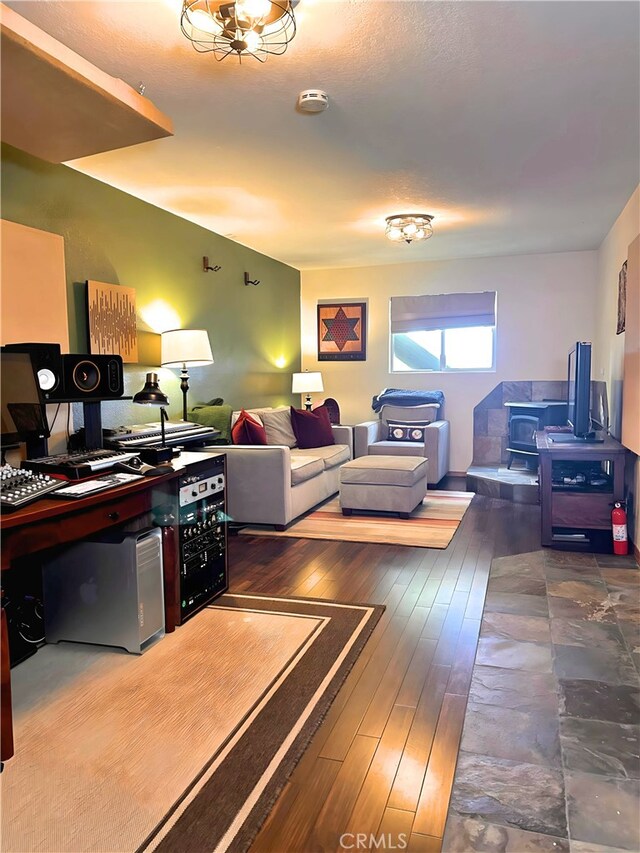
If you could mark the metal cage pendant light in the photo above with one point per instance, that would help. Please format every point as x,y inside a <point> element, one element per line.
<point>254,28</point>
<point>407,227</point>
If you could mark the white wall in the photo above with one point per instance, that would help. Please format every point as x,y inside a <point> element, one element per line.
<point>609,350</point>
<point>609,347</point>
<point>545,302</point>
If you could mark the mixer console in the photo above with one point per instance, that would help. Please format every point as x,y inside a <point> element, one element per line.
<point>19,487</point>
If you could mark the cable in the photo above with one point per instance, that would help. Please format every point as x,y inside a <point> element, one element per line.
<point>53,422</point>
<point>29,620</point>
<point>600,426</point>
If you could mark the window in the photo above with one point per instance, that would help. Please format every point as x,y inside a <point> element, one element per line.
<point>453,331</point>
<point>444,349</point>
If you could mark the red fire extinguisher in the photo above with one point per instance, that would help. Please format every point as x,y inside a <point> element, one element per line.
<point>619,524</point>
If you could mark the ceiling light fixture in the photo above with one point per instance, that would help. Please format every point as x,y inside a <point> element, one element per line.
<point>408,227</point>
<point>247,27</point>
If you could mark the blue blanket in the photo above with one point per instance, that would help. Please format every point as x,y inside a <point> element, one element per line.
<point>402,397</point>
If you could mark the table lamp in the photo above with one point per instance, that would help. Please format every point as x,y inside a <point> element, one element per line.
<point>185,348</point>
<point>305,383</point>
<point>151,395</point>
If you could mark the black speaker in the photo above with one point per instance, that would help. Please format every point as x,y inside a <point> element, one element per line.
<point>91,376</point>
<point>76,376</point>
<point>47,361</point>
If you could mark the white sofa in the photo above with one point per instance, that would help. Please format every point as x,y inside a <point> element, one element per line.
<point>273,484</point>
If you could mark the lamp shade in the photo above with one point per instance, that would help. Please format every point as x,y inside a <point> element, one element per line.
<point>151,395</point>
<point>304,383</point>
<point>188,347</point>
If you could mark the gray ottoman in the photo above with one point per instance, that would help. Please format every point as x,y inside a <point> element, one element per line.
<point>383,483</point>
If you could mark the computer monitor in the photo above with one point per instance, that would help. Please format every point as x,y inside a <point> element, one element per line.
<point>22,409</point>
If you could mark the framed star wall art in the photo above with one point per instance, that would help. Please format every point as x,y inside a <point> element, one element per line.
<point>342,331</point>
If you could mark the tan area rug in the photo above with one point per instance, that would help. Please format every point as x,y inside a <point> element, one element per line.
<point>183,748</point>
<point>432,525</point>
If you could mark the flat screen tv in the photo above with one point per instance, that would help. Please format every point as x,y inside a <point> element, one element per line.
<point>578,396</point>
<point>22,410</point>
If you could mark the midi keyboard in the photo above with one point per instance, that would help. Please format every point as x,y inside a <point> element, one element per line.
<point>76,466</point>
<point>150,435</point>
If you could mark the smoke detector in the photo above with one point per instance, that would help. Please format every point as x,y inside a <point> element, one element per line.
<point>312,101</point>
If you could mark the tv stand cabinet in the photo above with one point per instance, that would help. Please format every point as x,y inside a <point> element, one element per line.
<point>581,508</point>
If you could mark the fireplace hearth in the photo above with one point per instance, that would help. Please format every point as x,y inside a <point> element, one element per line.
<point>525,418</point>
<point>492,446</point>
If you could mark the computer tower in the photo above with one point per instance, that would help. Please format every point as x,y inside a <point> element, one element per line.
<point>108,590</point>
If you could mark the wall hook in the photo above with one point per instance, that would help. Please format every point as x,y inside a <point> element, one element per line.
<point>206,267</point>
<point>247,280</point>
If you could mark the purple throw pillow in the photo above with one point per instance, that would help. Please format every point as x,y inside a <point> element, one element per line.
<point>312,429</point>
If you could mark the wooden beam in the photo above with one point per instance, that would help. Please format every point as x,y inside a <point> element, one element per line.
<point>58,106</point>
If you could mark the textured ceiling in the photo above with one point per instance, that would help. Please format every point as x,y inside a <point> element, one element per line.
<point>514,123</point>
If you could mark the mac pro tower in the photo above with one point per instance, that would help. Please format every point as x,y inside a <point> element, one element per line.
<point>108,591</point>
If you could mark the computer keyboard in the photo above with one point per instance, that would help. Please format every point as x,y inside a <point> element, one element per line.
<point>90,487</point>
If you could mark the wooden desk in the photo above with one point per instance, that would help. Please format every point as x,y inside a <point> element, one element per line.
<point>49,522</point>
<point>581,508</point>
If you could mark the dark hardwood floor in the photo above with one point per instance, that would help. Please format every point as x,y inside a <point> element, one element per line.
<point>383,760</point>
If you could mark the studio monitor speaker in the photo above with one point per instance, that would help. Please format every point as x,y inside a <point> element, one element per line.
<point>77,376</point>
<point>47,361</point>
<point>91,376</point>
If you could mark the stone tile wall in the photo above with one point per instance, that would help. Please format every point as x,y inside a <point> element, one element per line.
<point>491,418</point>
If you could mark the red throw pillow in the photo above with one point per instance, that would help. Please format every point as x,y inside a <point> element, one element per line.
<point>312,429</point>
<point>247,430</point>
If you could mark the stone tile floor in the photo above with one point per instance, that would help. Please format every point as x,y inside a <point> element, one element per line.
<point>550,752</point>
<point>517,474</point>
<point>517,484</point>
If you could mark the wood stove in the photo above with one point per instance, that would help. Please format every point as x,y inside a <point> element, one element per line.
<point>525,419</point>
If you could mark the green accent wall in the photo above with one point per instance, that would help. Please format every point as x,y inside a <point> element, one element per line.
<point>111,236</point>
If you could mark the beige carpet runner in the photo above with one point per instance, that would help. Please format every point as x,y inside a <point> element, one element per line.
<point>183,748</point>
<point>430,526</point>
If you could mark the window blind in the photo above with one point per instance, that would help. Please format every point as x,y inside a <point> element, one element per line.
<point>442,311</point>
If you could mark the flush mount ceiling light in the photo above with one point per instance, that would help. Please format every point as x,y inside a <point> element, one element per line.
<point>408,227</point>
<point>245,28</point>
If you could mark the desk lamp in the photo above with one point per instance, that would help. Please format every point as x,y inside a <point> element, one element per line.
<point>151,395</point>
<point>185,348</point>
<point>305,383</point>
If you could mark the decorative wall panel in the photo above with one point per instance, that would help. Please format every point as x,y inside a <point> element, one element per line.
<point>112,320</point>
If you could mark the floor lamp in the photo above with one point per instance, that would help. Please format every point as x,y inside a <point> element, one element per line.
<point>185,348</point>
